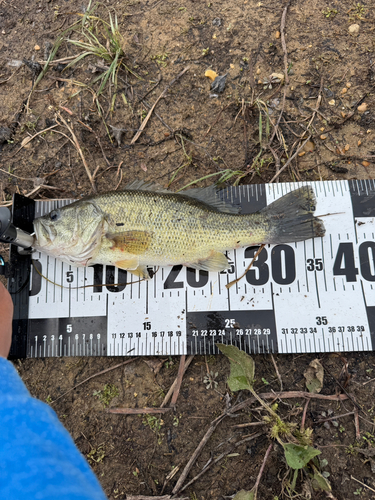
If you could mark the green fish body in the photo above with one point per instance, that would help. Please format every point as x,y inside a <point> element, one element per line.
<point>147,226</point>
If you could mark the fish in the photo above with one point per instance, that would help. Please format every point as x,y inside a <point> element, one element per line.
<point>145,225</point>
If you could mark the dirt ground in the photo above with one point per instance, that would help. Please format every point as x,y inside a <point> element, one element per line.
<point>320,118</point>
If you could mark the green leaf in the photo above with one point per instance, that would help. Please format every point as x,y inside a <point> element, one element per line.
<point>242,368</point>
<point>245,495</point>
<point>319,482</point>
<point>298,456</point>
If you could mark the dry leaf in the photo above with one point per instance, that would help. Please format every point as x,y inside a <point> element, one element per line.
<point>314,376</point>
<point>25,141</point>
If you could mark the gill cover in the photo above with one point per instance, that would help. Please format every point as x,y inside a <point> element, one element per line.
<point>70,233</point>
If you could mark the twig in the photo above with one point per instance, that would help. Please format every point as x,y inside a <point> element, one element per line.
<point>334,417</point>
<point>363,484</point>
<point>248,424</point>
<point>262,467</point>
<point>180,374</point>
<point>277,373</point>
<point>119,182</point>
<point>229,285</point>
<point>344,390</point>
<point>42,186</point>
<point>217,119</point>
<point>196,453</point>
<point>138,411</point>
<point>157,116</point>
<point>283,44</point>
<point>144,123</point>
<point>220,457</point>
<point>76,143</point>
<point>172,388</point>
<point>304,415</point>
<point>288,395</point>
<point>11,76</point>
<point>95,375</point>
<point>162,497</point>
<point>286,164</point>
<point>356,424</point>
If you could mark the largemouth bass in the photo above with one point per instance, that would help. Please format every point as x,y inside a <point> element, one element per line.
<point>145,225</point>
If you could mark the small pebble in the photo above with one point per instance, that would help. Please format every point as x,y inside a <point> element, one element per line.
<point>362,107</point>
<point>354,29</point>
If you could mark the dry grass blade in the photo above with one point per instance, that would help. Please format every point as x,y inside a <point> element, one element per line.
<point>196,453</point>
<point>79,150</point>
<point>220,457</point>
<point>138,411</point>
<point>27,140</point>
<point>95,375</point>
<point>144,123</point>
<point>173,386</point>
<point>229,285</point>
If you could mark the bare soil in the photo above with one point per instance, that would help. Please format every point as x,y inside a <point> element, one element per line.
<point>192,133</point>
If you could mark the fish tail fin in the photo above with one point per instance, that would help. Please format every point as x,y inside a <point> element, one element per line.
<point>291,217</point>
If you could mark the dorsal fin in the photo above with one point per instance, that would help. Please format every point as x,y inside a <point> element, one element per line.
<point>210,196</point>
<point>139,185</point>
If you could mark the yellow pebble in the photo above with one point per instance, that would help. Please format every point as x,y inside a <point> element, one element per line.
<point>210,74</point>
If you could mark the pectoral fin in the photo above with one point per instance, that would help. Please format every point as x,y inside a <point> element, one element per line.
<point>133,242</point>
<point>217,261</point>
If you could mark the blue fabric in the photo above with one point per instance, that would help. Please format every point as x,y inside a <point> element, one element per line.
<point>38,457</point>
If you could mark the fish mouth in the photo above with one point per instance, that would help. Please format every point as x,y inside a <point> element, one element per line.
<point>44,233</point>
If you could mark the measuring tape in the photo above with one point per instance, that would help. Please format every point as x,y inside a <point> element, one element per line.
<point>311,296</point>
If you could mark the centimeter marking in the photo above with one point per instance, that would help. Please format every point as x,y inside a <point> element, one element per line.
<point>311,296</point>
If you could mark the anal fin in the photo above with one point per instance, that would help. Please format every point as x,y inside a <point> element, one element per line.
<point>216,261</point>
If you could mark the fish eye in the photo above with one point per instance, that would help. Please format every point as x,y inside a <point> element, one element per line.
<point>54,215</point>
